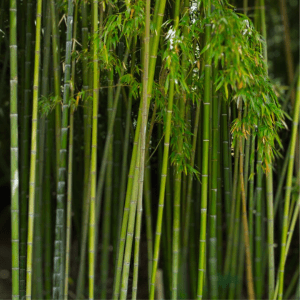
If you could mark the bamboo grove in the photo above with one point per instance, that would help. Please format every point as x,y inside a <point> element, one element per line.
<point>151,155</point>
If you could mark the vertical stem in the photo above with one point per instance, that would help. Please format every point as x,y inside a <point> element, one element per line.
<point>33,150</point>
<point>56,69</point>
<point>70,164</point>
<point>143,146</point>
<point>59,264</point>
<point>48,209</point>
<point>250,285</point>
<point>25,149</point>
<point>205,156</point>
<point>14,148</point>
<point>288,191</point>
<point>258,229</point>
<point>162,187</point>
<point>270,215</point>
<point>213,202</point>
<point>108,196</point>
<point>87,151</point>
<point>93,175</point>
<point>177,187</point>
<point>226,161</point>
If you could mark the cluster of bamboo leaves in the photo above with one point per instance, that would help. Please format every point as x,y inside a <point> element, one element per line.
<point>148,125</point>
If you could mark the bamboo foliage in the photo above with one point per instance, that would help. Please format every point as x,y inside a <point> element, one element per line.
<point>58,273</point>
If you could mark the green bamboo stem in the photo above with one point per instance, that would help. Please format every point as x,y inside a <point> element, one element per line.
<point>59,259</point>
<point>153,53</point>
<point>190,179</point>
<point>292,225</point>
<point>124,171</point>
<point>130,228</point>
<point>229,247</point>
<point>48,209</point>
<point>241,264</point>
<point>38,263</point>
<point>251,195</point>
<point>93,168</point>
<point>162,187</point>
<point>289,239</point>
<point>281,181</point>
<point>147,196</point>
<point>250,284</point>
<point>226,161</point>
<point>100,184</point>
<point>177,186</point>
<point>126,146</point>
<point>213,271</point>
<point>118,154</point>
<point>14,149</point>
<point>288,191</point>
<point>37,240</point>
<point>148,216</point>
<point>32,182</point>
<point>70,164</point>
<point>219,203</point>
<point>87,119</point>
<point>69,203</point>
<point>143,136</point>
<point>168,225</point>
<point>56,69</point>
<point>292,284</point>
<point>25,149</point>
<point>108,197</point>
<point>258,229</point>
<point>205,156</point>
<point>236,242</point>
<point>270,215</point>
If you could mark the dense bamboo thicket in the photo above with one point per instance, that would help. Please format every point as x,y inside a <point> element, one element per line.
<point>156,157</point>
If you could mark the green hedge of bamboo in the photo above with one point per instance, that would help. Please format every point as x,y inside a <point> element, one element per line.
<point>155,168</point>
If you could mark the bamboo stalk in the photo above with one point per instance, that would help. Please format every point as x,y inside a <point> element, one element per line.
<point>32,182</point>
<point>14,149</point>
<point>162,187</point>
<point>288,191</point>
<point>205,155</point>
<point>213,263</point>
<point>25,149</point>
<point>70,163</point>
<point>250,285</point>
<point>56,69</point>
<point>130,228</point>
<point>48,209</point>
<point>270,214</point>
<point>177,188</point>
<point>108,195</point>
<point>153,53</point>
<point>143,129</point>
<point>93,168</point>
<point>87,150</point>
<point>59,259</point>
